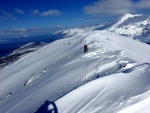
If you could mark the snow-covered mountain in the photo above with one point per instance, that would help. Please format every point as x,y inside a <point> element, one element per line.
<point>132,26</point>
<point>113,76</point>
<point>21,51</point>
<point>129,25</point>
<point>70,32</point>
<point>76,31</point>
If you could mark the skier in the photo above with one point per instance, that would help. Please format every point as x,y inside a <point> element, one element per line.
<point>85,48</point>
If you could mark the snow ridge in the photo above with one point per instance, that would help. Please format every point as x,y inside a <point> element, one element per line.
<point>20,52</point>
<point>113,76</point>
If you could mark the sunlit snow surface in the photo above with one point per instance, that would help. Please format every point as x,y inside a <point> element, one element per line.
<point>113,76</point>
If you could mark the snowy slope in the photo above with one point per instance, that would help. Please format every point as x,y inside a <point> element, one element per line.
<point>32,46</point>
<point>110,94</point>
<point>61,67</point>
<point>21,51</point>
<point>133,26</point>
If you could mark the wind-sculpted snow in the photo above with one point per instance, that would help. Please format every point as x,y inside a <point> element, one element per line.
<point>109,94</point>
<point>61,72</point>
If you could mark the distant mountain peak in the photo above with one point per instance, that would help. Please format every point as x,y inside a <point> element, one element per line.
<point>133,26</point>
<point>128,15</point>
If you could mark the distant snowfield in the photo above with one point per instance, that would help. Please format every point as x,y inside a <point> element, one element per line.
<point>113,76</point>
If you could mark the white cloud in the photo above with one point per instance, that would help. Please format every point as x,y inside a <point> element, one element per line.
<point>51,13</point>
<point>78,19</point>
<point>87,20</point>
<point>19,11</point>
<point>143,4</point>
<point>116,7</point>
<point>35,12</point>
<point>60,26</point>
<point>47,13</point>
<point>109,7</point>
<point>6,16</point>
<point>19,32</point>
<point>94,20</point>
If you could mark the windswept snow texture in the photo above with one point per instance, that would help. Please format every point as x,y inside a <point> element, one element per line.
<point>110,94</point>
<point>111,77</point>
<point>132,26</point>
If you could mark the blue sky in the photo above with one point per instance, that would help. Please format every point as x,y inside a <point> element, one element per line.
<point>25,15</point>
<point>42,13</point>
